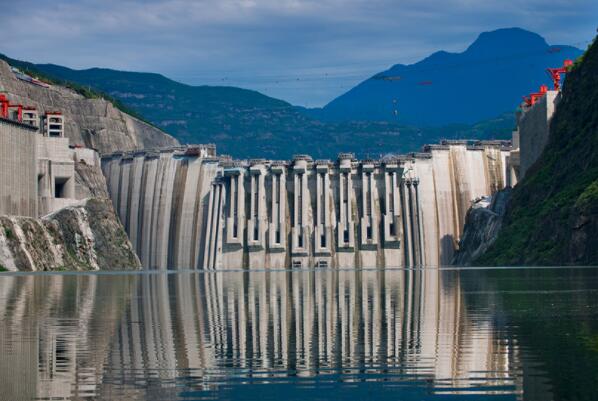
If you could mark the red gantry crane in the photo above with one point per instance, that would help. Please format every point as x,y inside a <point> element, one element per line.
<point>3,106</point>
<point>555,73</point>
<point>534,97</point>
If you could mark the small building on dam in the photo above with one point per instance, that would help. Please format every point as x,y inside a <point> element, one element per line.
<point>186,207</point>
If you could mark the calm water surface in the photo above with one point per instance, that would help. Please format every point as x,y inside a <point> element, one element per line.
<point>511,334</point>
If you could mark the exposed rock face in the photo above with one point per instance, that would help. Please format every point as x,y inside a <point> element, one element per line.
<point>482,225</point>
<point>89,180</point>
<point>87,236</point>
<point>95,123</point>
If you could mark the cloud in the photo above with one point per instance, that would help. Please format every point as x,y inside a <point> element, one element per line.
<point>304,51</point>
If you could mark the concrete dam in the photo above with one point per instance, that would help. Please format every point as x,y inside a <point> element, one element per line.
<point>186,207</point>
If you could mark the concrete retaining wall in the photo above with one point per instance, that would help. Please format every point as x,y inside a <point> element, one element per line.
<point>18,169</point>
<point>534,125</point>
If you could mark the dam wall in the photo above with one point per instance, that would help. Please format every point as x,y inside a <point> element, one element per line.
<point>18,169</point>
<point>161,199</point>
<point>37,170</point>
<point>186,208</point>
<point>533,125</point>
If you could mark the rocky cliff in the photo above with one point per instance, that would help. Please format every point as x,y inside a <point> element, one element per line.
<point>482,225</point>
<point>87,236</point>
<point>95,123</point>
<point>552,217</point>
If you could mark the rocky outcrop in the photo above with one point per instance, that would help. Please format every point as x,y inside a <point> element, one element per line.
<point>86,236</point>
<point>482,225</point>
<point>89,180</point>
<point>95,123</point>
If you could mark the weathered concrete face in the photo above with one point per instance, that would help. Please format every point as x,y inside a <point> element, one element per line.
<point>38,172</point>
<point>18,169</point>
<point>185,211</point>
<point>531,136</point>
<point>162,199</point>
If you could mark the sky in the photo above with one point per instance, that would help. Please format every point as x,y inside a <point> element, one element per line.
<point>306,52</point>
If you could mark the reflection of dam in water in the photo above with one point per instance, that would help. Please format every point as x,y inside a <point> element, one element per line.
<point>187,208</point>
<point>158,334</point>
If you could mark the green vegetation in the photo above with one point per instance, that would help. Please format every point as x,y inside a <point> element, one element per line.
<point>246,123</point>
<point>589,197</point>
<point>553,213</point>
<point>8,233</point>
<point>2,268</point>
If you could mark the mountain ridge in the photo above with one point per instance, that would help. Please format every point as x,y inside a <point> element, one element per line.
<point>510,62</point>
<point>247,123</point>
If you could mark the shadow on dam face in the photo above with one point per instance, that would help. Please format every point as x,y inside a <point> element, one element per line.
<point>447,249</point>
<point>185,210</point>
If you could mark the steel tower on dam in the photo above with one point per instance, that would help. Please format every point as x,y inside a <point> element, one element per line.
<point>185,207</point>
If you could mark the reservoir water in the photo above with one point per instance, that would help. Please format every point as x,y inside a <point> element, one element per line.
<point>424,334</point>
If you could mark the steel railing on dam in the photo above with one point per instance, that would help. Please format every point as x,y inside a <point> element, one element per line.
<point>186,208</point>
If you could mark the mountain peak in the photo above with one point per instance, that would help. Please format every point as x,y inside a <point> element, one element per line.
<point>506,41</point>
<point>508,63</point>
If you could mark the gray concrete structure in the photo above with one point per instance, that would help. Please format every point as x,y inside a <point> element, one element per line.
<point>37,172</point>
<point>54,125</point>
<point>18,168</point>
<point>531,135</point>
<point>183,209</point>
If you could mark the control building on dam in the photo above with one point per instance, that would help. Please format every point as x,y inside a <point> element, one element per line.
<point>186,207</point>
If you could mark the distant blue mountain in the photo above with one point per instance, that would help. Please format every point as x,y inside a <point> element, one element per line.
<point>484,81</point>
<point>446,96</point>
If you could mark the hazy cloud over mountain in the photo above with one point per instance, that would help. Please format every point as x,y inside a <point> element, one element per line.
<point>306,52</point>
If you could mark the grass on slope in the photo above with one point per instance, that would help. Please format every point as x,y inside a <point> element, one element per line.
<point>560,192</point>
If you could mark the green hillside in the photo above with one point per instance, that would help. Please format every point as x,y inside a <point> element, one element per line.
<point>553,215</point>
<point>246,123</point>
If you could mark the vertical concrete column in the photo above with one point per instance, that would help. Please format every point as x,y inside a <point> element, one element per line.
<point>300,231</point>
<point>407,240</point>
<point>256,226</point>
<point>277,231</point>
<point>419,224</point>
<point>213,244</point>
<point>368,229</point>
<point>69,188</point>
<point>413,212</point>
<point>322,229</point>
<point>392,206</point>
<point>235,214</point>
<point>209,228</point>
<point>235,219</point>
<point>345,226</point>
